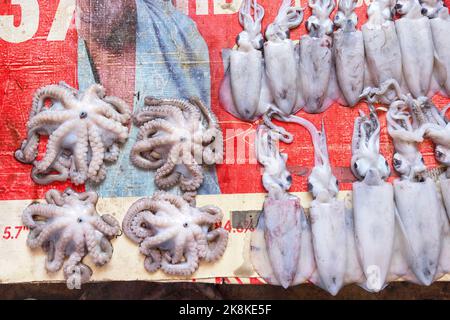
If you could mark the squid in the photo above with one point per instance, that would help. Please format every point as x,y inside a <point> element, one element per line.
<point>244,91</point>
<point>373,201</point>
<point>440,25</point>
<point>349,52</point>
<point>416,44</point>
<point>316,69</point>
<point>332,226</point>
<point>418,203</point>
<point>280,57</point>
<point>281,247</point>
<point>382,49</point>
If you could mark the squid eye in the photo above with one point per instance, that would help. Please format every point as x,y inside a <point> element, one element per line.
<point>398,6</point>
<point>289,178</point>
<point>288,34</point>
<point>337,183</point>
<point>386,163</point>
<point>424,11</point>
<point>397,162</point>
<point>310,187</point>
<point>355,166</point>
<point>421,159</point>
<point>439,154</point>
<point>238,38</point>
<point>185,225</point>
<point>261,43</point>
<point>307,25</point>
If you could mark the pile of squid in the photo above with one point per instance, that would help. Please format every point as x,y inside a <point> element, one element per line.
<point>391,231</point>
<point>403,40</point>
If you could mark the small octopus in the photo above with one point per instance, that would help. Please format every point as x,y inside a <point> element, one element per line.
<point>174,141</point>
<point>68,225</point>
<point>173,235</point>
<point>84,131</point>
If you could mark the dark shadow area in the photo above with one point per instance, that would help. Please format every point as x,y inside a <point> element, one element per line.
<point>187,291</point>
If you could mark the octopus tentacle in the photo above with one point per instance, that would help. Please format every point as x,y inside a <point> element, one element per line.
<point>54,197</point>
<point>209,215</point>
<point>36,239</point>
<point>186,268</point>
<point>121,111</point>
<point>79,173</point>
<point>111,126</point>
<point>53,145</point>
<point>54,92</point>
<point>155,240</point>
<point>163,111</point>
<point>217,243</point>
<point>134,219</point>
<point>151,127</point>
<point>166,176</point>
<point>98,153</point>
<point>193,182</point>
<point>107,224</point>
<point>40,210</point>
<point>147,146</point>
<point>152,261</point>
<point>55,258</point>
<point>111,153</point>
<point>99,248</point>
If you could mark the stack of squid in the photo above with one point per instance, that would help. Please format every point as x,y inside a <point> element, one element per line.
<point>400,58</point>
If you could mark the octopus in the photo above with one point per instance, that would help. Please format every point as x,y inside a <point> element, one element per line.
<point>84,129</point>
<point>416,47</point>
<point>174,236</point>
<point>174,140</point>
<point>349,52</point>
<point>68,225</point>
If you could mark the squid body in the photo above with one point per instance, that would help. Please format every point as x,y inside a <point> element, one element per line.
<point>348,47</point>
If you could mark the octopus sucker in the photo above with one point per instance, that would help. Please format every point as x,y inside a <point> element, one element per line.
<point>416,47</point>
<point>373,201</point>
<point>348,45</point>
<point>68,225</point>
<point>280,57</point>
<point>83,129</point>
<point>244,91</point>
<point>176,138</point>
<point>174,236</point>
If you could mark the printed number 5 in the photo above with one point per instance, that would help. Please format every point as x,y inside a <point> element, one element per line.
<point>30,21</point>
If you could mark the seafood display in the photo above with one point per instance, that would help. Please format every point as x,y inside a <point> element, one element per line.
<point>331,222</point>
<point>280,58</point>
<point>349,52</point>
<point>84,129</point>
<point>281,247</point>
<point>417,47</point>
<point>373,201</point>
<point>421,219</point>
<point>382,48</point>
<point>173,235</point>
<point>316,58</point>
<point>440,24</point>
<point>244,90</point>
<point>68,225</point>
<point>176,138</point>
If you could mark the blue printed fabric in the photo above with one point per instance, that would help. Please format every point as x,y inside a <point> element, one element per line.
<point>172,61</point>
